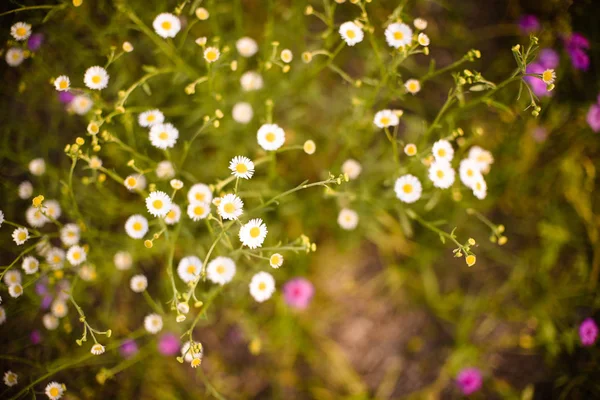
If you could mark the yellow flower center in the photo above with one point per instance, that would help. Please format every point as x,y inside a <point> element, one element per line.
<point>547,76</point>
<point>220,270</point>
<point>412,87</point>
<point>241,168</point>
<point>56,259</point>
<point>62,84</point>
<point>398,35</point>
<point>21,31</point>
<point>131,181</point>
<point>171,214</point>
<point>351,34</point>
<point>157,204</point>
<point>254,231</point>
<point>166,25</point>
<point>198,210</point>
<point>262,286</point>
<point>211,55</point>
<point>150,118</point>
<point>22,236</point>
<point>54,391</point>
<point>76,255</point>
<point>270,137</point>
<point>274,259</point>
<point>385,121</point>
<point>441,152</point>
<point>199,196</point>
<point>18,289</point>
<point>191,269</point>
<point>407,188</point>
<point>470,173</point>
<point>96,79</point>
<point>440,173</point>
<point>229,207</point>
<point>163,135</point>
<point>137,226</point>
<point>478,186</point>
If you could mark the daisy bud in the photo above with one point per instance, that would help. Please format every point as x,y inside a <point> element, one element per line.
<point>80,141</point>
<point>176,184</point>
<point>307,57</point>
<point>201,41</point>
<point>179,360</point>
<point>502,240</point>
<point>471,260</point>
<point>37,201</point>
<point>286,69</point>
<point>286,56</point>
<point>234,65</point>
<point>127,47</point>
<point>219,114</point>
<point>472,241</point>
<point>102,178</point>
<point>97,148</point>
<point>148,244</point>
<point>308,10</point>
<point>216,124</point>
<point>202,13</point>
<point>180,318</point>
<point>310,147</point>
<point>198,304</point>
<point>77,3</point>
<point>196,362</point>
<point>95,162</point>
<point>500,228</point>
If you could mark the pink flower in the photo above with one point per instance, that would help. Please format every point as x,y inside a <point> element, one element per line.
<point>593,117</point>
<point>529,24</point>
<point>588,332</point>
<point>168,344</point>
<point>128,348</point>
<point>469,380</point>
<point>298,293</point>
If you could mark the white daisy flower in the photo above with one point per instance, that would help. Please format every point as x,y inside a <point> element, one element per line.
<point>53,209</point>
<point>242,113</point>
<point>270,137</point>
<point>198,210</point>
<point>76,255</point>
<point>276,260</point>
<point>150,118</point>
<point>241,167</point>
<point>96,78</point>
<point>136,226</point>
<point>262,286</point>
<point>189,268</point>
<point>410,149</point>
<point>59,308</point>
<point>30,265</point>
<point>12,277</point>
<point>408,188</point>
<point>423,39</point>
<point>351,33</point>
<point>2,315</point>
<point>35,217</point>
<point>347,219</point>
<point>62,83</point>
<point>135,182</point>
<point>482,158</point>
<point>166,25</point>
<point>469,172</point>
<point>153,323</point>
<point>97,349</point>
<point>398,35</point>
<point>20,236</point>
<point>442,151</point>
<point>220,270</point>
<point>211,54</point>
<point>15,290</point>
<point>25,190</point>
<point>173,215</point>
<point>412,86</point>
<point>69,234</point>
<point>165,170</point>
<point>386,118</point>
<point>441,174</point>
<point>230,207</point>
<point>246,46</point>
<point>480,187</point>
<point>286,56</point>
<point>251,81</point>
<point>158,203</point>
<point>55,390</point>
<point>81,104</point>
<point>199,193</point>
<point>138,283</point>
<point>253,233</point>
<point>50,322</point>
<point>123,260</point>
<point>37,166</point>
<point>20,31</point>
<point>352,168</point>
<point>14,56</point>
<point>420,24</point>
<point>55,257</point>
<point>163,136</point>
<point>549,76</point>
<point>10,378</point>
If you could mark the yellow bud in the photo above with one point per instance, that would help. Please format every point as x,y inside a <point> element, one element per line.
<point>255,346</point>
<point>502,240</point>
<point>37,201</point>
<point>148,244</point>
<point>97,148</point>
<point>101,178</point>
<point>471,260</point>
<point>500,228</point>
<point>219,113</point>
<point>286,69</point>
<point>308,10</point>
<point>472,241</point>
<point>59,274</point>
<point>79,141</point>
<point>77,3</point>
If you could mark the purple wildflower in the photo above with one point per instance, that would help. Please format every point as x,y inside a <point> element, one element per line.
<point>579,59</point>
<point>549,59</point>
<point>35,41</point>
<point>529,23</point>
<point>577,41</point>
<point>298,293</point>
<point>539,134</point>
<point>168,344</point>
<point>66,97</point>
<point>41,289</point>
<point>128,348</point>
<point>588,332</point>
<point>593,117</point>
<point>537,85</point>
<point>35,337</point>
<point>469,380</point>
<point>46,302</point>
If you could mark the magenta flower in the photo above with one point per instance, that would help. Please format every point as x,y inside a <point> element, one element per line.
<point>577,41</point>
<point>537,85</point>
<point>539,134</point>
<point>168,344</point>
<point>549,59</point>
<point>579,59</point>
<point>588,332</point>
<point>66,97</point>
<point>35,41</point>
<point>529,24</point>
<point>298,293</point>
<point>35,337</point>
<point>128,348</point>
<point>593,117</point>
<point>469,380</point>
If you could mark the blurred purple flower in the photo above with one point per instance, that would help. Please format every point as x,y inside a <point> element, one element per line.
<point>549,58</point>
<point>469,380</point>
<point>577,41</point>
<point>588,331</point>
<point>168,344</point>
<point>539,134</point>
<point>66,97</point>
<point>529,23</point>
<point>46,302</point>
<point>35,337</point>
<point>593,117</point>
<point>537,85</point>
<point>35,41</point>
<point>128,348</point>
<point>579,59</point>
<point>41,289</point>
<point>298,293</point>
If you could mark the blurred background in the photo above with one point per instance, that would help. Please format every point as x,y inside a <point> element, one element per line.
<point>394,315</point>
